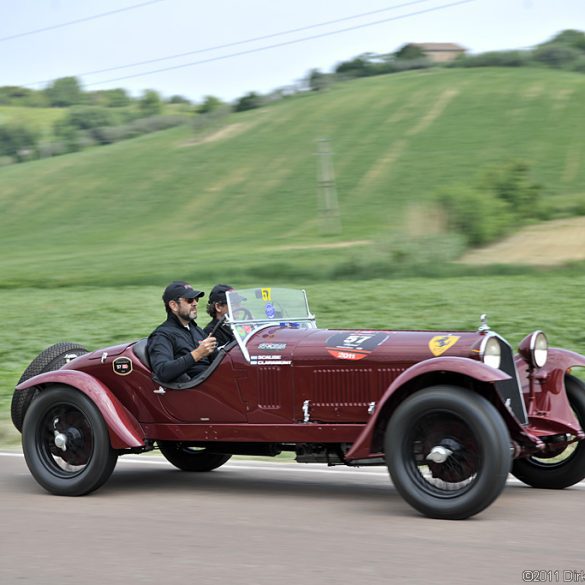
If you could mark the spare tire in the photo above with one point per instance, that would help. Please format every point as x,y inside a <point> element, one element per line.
<point>50,359</point>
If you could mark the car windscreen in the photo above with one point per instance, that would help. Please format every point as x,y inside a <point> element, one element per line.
<point>252,308</point>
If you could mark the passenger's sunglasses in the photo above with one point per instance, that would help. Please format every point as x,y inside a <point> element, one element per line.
<point>188,301</point>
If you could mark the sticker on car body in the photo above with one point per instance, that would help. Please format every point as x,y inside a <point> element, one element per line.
<point>122,366</point>
<point>355,345</point>
<point>272,346</point>
<point>441,343</point>
<point>268,360</point>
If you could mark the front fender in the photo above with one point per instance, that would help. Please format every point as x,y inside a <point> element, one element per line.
<point>549,410</point>
<point>362,448</point>
<point>124,430</point>
<point>563,359</point>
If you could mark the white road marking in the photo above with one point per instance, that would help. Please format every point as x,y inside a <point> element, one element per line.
<point>279,467</point>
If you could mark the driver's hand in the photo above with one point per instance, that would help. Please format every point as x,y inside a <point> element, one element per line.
<point>205,348</point>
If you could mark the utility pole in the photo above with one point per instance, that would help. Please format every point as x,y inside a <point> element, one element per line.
<point>329,216</point>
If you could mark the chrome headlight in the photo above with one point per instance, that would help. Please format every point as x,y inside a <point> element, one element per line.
<point>490,352</point>
<point>534,349</point>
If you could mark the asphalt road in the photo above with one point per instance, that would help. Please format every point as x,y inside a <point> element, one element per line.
<point>269,523</point>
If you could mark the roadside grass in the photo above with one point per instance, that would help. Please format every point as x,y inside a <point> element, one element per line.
<point>35,318</point>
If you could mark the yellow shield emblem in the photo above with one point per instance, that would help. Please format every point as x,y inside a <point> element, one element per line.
<point>441,343</point>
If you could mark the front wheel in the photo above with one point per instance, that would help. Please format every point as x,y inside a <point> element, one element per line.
<point>188,458</point>
<point>566,466</point>
<point>448,452</point>
<point>66,443</point>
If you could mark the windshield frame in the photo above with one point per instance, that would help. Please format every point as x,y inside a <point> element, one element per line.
<point>235,298</point>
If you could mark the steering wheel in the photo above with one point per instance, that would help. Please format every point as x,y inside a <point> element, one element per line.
<point>242,314</point>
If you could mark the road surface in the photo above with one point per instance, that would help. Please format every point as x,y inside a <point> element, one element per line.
<point>276,523</point>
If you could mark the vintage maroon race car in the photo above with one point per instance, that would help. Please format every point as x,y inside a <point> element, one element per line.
<point>450,413</point>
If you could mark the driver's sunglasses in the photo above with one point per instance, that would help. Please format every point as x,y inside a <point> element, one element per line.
<point>188,301</point>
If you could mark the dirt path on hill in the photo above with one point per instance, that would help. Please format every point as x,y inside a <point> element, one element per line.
<point>545,244</point>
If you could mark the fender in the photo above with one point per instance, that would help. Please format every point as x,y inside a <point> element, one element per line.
<point>549,410</point>
<point>479,371</point>
<point>124,430</point>
<point>562,359</point>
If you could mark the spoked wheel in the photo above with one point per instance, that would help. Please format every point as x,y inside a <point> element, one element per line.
<point>66,443</point>
<point>188,458</point>
<point>564,465</point>
<point>448,452</point>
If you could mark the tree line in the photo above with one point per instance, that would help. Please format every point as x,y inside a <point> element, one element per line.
<point>106,116</point>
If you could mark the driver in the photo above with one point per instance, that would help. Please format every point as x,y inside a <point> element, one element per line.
<point>217,308</point>
<point>178,349</point>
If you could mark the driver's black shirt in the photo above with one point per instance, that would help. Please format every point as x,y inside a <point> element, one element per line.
<point>169,350</point>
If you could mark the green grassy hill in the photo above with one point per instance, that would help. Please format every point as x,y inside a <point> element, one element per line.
<point>243,201</point>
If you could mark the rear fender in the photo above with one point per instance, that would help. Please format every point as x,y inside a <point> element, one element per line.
<point>124,430</point>
<point>442,370</point>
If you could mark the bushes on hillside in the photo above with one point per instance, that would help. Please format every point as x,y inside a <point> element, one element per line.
<point>557,56</point>
<point>64,92</point>
<point>150,104</point>
<point>493,59</point>
<point>504,199</point>
<point>12,95</point>
<point>88,127</point>
<point>18,142</point>
<point>250,101</point>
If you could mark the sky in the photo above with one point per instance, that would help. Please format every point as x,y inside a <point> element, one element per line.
<point>141,30</point>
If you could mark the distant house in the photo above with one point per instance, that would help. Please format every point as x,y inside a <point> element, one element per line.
<point>440,52</point>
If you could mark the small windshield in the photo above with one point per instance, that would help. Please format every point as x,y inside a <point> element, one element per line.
<point>253,308</point>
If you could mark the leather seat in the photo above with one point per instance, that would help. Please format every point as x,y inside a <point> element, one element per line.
<point>139,349</point>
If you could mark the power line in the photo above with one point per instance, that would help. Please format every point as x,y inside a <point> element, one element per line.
<point>282,44</point>
<point>243,42</point>
<point>77,21</point>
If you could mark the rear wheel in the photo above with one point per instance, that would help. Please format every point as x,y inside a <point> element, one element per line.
<point>187,458</point>
<point>564,466</point>
<point>50,359</point>
<point>66,443</point>
<point>448,452</point>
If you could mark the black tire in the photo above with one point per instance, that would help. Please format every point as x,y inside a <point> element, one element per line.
<point>88,460</point>
<point>187,458</point>
<point>562,468</point>
<point>50,359</point>
<point>474,473</point>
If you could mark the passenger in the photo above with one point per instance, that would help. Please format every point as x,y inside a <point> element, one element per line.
<point>178,349</point>
<point>217,308</point>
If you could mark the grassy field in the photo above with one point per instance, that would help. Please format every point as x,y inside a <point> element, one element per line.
<point>33,319</point>
<point>240,201</point>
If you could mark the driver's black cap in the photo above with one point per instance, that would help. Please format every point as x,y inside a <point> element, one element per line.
<point>181,289</point>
